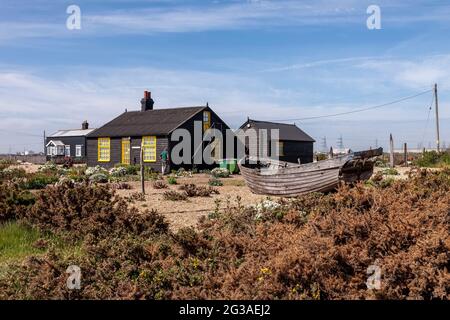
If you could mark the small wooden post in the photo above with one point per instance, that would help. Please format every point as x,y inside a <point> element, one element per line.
<point>142,170</point>
<point>391,158</point>
<point>405,154</point>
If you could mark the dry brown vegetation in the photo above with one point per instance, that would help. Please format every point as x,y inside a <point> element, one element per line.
<point>312,247</point>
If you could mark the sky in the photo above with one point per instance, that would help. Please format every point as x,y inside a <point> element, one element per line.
<point>264,59</point>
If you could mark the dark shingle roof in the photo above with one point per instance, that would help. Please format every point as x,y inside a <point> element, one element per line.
<point>151,122</point>
<point>287,131</point>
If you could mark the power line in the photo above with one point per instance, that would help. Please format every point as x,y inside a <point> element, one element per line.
<point>358,110</point>
<point>22,133</point>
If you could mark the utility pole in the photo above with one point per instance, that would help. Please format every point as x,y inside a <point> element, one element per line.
<point>437,117</point>
<point>391,152</point>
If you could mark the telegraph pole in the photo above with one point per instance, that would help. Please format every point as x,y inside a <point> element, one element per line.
<point>437,117</point>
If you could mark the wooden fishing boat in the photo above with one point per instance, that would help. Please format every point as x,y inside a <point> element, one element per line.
<point>277,178</point>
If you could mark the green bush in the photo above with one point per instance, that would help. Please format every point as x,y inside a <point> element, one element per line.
<point>12,173</point>
<point>390,172</point>
<point>130,169</point>
<point>99,178</point>
<point>220,173</point>
<point>38,181</point>
<point>214,182</point>
<point>172,180</point>
<point>430,159</point>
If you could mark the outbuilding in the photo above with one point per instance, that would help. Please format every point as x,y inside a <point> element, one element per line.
<point>64,144</point>
<point>293,144</point>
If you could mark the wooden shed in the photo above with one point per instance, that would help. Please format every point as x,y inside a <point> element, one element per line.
<point>293,144</point>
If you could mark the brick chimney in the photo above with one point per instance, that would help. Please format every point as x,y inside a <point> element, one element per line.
<point>85,125</point>
<point>147,102</point>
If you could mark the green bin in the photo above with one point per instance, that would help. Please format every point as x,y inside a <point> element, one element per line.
<point>230,164</point>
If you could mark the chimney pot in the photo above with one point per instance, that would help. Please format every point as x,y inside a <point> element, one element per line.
<point>147,102</point>
<point>85,125</point>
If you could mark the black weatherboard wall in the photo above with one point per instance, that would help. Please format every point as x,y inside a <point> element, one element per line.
<point>73,142</point>
<point>161,123</point>
<point>72,138</point>
<point>296,144</point>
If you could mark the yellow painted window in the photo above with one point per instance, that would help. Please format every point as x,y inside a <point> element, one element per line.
<point>126,156</point>
<point>104,149</point>
<point>280,149</point>
<point>206,120</point>
<point>149,148</point>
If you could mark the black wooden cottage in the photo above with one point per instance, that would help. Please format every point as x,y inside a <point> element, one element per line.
<point>64,144</point>
<point>120,140</point>
<point>294,145</point>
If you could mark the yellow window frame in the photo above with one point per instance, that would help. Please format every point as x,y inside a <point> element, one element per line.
<point>104,149</point>
<point>206,120</point>
<point>126,151</point>
<point>149,148</point>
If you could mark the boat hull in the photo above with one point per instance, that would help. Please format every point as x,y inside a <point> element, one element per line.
<point>295,180</point>
<point>276,178</point>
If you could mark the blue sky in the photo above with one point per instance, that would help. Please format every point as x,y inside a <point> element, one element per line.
<point>264,59</point>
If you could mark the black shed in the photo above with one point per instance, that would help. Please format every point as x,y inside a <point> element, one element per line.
<point>294,144</point>
<point>120,140</point>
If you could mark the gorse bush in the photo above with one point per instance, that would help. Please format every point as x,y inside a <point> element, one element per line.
<point>82,209</point>
<point>13,201</point>
<point>38,181</point>
<point>173,195</point>
<point>312,247</point>
<point>433,159</point>
<point>192,190</point>
<point>159,184</point>
<point>12,173</point>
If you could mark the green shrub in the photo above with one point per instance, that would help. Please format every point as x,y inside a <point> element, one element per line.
<point>12,173</point>
<point>130,169</point>
<point>94,170</point>
<point>38,181</point>
<point>430,159</point>
<point>214,182</point>
<point>220,173</point>
<point>99,178</point>
<point>390,172</point>
<point>172,180</point>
